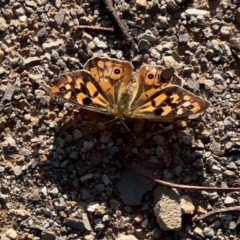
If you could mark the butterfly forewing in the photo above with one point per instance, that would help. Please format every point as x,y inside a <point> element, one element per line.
<point>112,75</point>
<point>80,88</point>
<point>149,81</point>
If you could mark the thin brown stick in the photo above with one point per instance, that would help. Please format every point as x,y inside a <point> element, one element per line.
<point>94,28</point>
<point>121,25</point>
<point>221,210</point>
<point>179,186</point>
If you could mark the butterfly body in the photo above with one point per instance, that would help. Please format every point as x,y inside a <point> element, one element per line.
<point>122,109</point>
<point>107,86</point>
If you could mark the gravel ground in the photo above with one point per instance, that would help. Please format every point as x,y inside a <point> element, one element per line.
<point>61,173</point>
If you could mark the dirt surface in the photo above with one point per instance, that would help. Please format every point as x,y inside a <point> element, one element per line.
<point>61,169</point>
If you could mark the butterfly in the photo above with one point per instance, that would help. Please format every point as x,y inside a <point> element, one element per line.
<point>108,86</point>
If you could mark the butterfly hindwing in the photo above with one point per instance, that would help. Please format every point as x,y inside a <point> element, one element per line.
<point>159,98</point>
<point>170,102</point>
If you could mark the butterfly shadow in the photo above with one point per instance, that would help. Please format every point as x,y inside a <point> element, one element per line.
<point>85,143</point>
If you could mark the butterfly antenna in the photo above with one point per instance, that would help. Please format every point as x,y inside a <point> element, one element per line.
<point>110,121</point>
<point>123,123</point>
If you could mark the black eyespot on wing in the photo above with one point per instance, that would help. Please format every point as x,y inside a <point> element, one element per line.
<point>150,76</point>
<point>158,111</point>
<point>117,71</point>
<point>190,107</point>
<point>62,89</point>
<point>87,101</point>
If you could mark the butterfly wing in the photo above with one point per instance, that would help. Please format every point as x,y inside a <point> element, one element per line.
<point>149,80</point>
<point>81,89</point>
<point>156,98</point>
<point>97,88</point>
<point>112,76</point>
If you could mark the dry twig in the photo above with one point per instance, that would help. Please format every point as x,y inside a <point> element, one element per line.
<point>121,25</point>
<point>221,210</point>
<point>94,28</point>
<point>179,186</point>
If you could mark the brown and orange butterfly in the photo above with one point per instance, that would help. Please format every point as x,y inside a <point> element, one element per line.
<point>107,86</point>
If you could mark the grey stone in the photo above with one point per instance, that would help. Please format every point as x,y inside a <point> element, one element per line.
<point>232,166</point>
<point>89,237</point>
<point>237,16</point>
<point>31,3</point>
<point>17,171</point>
<point>216,148</point>
<point>1,56</point>
<point>126,237</point>
<point>60,205</point>
<point>207,32</point>
<point>148,36</point>
<point>183,38</point>
<point>58,3</point>
<point>48,235</point>
<point>54,191</point>
<point>42,2</point>
<point>34,195</point>
<point>225,31</point>
<point>131,187</point>
<point>114,204</point>
<point>156,232</point>
<point>99,43</point>
<point>9,142</point>
<point>162,22</point>
<point>159,151</point>
<point>216,169</point>
<point>190,12</point>
<point>113,150</point>
<point>49,46</point>
<point>106,179</point>
<point>31,61</point>
<point>3,25</point>
<point>99,227</point>
<point>12,234</point>
<point>167,46</point>
<point>8,94</point>
<point>187,139</point>
<point>81,223</point>
<point>226,217</point>
<point>60,142</point>
<point>143,45</point>
<point>172,5</point>
<point>43,32</point>
<point>60,17</point>
<point>2,70</point>
<point>229,201</point>
<point>167,209</point>
<point>4,197</point>
<point>24,104</point>
<point>230,225</point>
<point>154,53</point>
